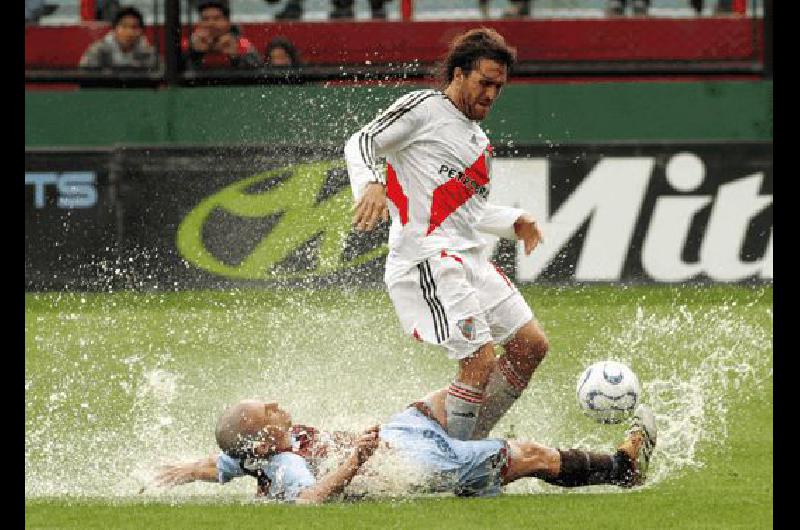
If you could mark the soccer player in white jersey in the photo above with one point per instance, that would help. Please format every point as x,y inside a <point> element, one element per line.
<point>257,439</point>
<point>440,280</point>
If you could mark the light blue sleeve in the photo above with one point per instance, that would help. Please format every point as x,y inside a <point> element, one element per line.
<point>227,468</point>
<point>289,474</point>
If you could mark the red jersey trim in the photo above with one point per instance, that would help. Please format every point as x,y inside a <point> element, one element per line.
<point>451,195</point>
<point>446,255</point>
<point>394,191</point>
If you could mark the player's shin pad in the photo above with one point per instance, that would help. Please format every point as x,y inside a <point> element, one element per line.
<point>502,390</point>
<point>586,468</point>
<point>462,404</point>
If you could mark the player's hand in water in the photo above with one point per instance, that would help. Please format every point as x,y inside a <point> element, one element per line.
<point>175,475</point>
<point>366,444</point>
<point>371,207</point>
<point>528,231</point>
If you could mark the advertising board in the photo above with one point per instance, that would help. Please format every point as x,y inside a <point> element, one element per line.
<point>204,217</point>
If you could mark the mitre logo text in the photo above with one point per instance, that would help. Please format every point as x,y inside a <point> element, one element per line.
<point>675,234</point>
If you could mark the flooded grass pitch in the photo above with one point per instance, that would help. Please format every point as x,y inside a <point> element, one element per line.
<point>117,384</point>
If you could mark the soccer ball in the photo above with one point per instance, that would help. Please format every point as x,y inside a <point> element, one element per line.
<point>608,391</point>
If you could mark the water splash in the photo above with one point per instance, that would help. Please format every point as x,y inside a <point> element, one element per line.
<point>715,352</point>
<point>106,404</point>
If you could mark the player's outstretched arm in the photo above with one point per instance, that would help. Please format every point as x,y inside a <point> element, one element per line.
<point>499,220</point>
<point>171,475</point>
<point>335,481</point>
<point>511,223</point>
<point>389,132</point>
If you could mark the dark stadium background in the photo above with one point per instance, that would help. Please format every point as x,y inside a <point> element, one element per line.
<point>675,81</point>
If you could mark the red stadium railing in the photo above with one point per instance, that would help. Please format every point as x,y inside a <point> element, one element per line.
<point>87,9</point>
<point>565,41</point>
<point>355,50</point>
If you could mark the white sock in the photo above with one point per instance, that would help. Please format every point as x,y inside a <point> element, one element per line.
<point>463,404</point>
<point>502,390</point>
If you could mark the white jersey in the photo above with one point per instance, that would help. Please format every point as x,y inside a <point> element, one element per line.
<point>438,178</point>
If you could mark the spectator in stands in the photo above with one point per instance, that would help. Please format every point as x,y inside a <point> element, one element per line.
<point>217,43</point>
<point>724,7</point>
<point>36,9</point>
<point>516,8</point>
<point>106,9</point>
<point>125,46</point>
<point>293,10</point>
<point>616,8</point>
<point>281,52</point>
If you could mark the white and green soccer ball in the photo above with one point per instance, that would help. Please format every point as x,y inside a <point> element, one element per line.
<point>608,391</point>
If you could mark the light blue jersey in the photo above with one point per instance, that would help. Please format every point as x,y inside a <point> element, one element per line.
<point>288,474</point>
<point>468,468</point>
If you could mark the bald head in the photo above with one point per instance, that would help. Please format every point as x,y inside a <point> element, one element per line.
<point>253,427</point>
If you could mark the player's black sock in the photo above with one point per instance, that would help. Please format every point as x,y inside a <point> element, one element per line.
<point>586,468</point>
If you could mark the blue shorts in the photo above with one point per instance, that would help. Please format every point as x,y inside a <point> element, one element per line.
<point>468,468</point>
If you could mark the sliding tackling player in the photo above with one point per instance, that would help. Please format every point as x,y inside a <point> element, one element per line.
<point>438,176</point>
<point>258,439</point>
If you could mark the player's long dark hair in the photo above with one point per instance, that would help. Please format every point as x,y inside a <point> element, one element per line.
<point>469,47</point>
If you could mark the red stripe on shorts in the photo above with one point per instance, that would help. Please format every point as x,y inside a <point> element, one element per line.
<point>501,273</point>
<point>446,255</point>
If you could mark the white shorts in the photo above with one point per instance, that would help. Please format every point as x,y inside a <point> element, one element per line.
<point>458,300</point>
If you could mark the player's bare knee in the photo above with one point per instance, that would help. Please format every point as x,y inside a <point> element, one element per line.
<point>530,343</point>
<point>484,361</point>
<point>538,348</point>
<point>526,353</point>
<point>476,368</point>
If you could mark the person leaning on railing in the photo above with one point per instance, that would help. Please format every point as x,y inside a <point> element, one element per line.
<point>216,43</point>
<point>125,46</point>
<point>340,9</point>
<point>515,9</point>
<point>616,8</point>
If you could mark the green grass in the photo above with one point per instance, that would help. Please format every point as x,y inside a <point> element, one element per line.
<point>117,384</point>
